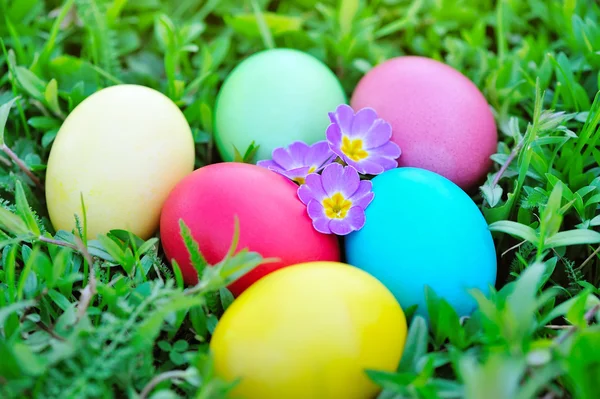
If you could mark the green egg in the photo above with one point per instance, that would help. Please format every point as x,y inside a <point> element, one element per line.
<point>275,97</point>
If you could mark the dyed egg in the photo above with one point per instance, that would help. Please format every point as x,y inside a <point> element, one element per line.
<point>275,97</point>
<point>422,229</point>
<point>123,149</point>
<point>310,331</point>
<point>439,118</point>
<point>272,220</point>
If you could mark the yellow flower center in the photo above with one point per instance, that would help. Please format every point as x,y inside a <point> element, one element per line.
<point>301,180</point>
<point>353,149</point>
<point>336,207</point>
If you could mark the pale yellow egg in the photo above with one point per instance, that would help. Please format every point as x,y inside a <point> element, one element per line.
<point>123,149</point>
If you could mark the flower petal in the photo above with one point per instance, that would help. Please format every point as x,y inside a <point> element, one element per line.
<point>315,209</point>
<point>330,178</point>
<point>362,123</point>
<point>319,155</point>
<point>317,213</point>
<point>311,189</point>
<point>379,134</point>
<point>296,173</point>
<point>322,225</point>
<point>269,164</point>
<point>368,167</point>
<point>298,151</point>
<point>291,156</point>
<point>386,163</point>
<point>341,227</point>
<point>356,218</point>
<point>388,150</point>
<point>363,195</point>
<point>283,157</point>
<point>343,116</point>
<point>334,136</point>
<point>349,181</point>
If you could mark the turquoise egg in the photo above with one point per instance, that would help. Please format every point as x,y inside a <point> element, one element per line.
<point>423,230</point>
<point>275,97</point>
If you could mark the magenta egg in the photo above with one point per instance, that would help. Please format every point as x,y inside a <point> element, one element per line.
<point>439,118</point>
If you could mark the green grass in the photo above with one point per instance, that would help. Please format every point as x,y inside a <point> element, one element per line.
<point>70,326</point>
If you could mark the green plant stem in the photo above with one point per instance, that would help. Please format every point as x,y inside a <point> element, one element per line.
<point>11,154</point>
<point>504,168</point>
<point>90,289</point>
<point>5,161</point>
<point>265,33</point>
<point>49,46</point>
<point>588,316</point>
<point>589,259</point>
<point>169,375</point>
<point>57,242</point>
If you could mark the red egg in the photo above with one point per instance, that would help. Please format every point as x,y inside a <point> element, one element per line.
<point>272,220</point>
<point>439,118</point>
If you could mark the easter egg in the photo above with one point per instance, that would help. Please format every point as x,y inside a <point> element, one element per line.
<point>422,229</point>
<point>309,331</point>
<point>121,151</point>
<point>439,118</point>
<point>275,97</point>
<point>272,220</point>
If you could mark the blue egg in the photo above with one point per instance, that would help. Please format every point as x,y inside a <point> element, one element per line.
<point>422,229</point>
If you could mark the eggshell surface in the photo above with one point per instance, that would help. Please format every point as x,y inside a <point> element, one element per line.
<point>422,229</point>
<point>310,331</point>
<point>275,97</point>
<point>272,220</point>
<point>439,118</point>
<point>123,149</point>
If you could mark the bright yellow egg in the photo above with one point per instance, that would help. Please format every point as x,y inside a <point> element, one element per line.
<point>310,331</point>
<point>123,149</point>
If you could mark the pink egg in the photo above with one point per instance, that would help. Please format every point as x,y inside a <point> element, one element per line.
<point>439,118</point>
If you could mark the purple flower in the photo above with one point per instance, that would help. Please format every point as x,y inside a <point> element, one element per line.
<point>336,199</point>
<point>362,140</point>
<point>299,159</point>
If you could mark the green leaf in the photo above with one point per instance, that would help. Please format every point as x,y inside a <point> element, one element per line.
<point>515,229</point>
<point>7,310</point>
<point>348,10</point>
<point>4,112</point>
<point>11,223</point>
<point>113,249</point>
<point>180,345</point>
<point>416,345</point>
<point>31,363</point>
<point>33,85</point>
<point>198,320</point>
<point>51,97</point>
<point>277,24</point>
<point>595,221</point>
<point>193,248</point>
<point>582,363</point>
<point>24,210</point>
<point>59,299</point>
<point>146,246</point>
<point>147,332</point>
<point>572,237</point>
<point>226,297</point>
<point>498,377</point>
<point>177,272</point>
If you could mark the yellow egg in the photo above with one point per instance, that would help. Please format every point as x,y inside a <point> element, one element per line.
<point>123,149</point>
<point>309,330</point>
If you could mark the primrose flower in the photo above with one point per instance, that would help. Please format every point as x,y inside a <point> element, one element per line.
<point>336,199</point>
<point>362,140</point>
<point>299,159</point>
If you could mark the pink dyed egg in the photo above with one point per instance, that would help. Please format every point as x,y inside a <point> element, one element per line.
<point>439,118</point>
